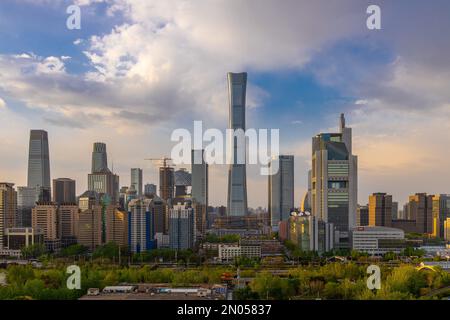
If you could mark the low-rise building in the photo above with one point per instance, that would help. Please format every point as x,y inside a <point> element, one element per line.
<point>18,238</point>
<point>377,241</point>
<point>229,252</point>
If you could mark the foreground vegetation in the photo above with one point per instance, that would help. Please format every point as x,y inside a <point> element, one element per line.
<point>330,281</point>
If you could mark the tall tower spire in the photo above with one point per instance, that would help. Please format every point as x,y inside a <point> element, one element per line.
<point>342,123</point>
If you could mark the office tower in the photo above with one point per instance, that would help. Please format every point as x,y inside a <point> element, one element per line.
<point>64,191</point>
<point>88,199</point>
<point>39,164</point>
<point>68,223</point>
<point>181,226</point>
<point>419,215</point>
<point>105,183</point>
<point>310,233</point>
<point>237,176</point>
<point>334,181</point>
<point>199,177</point>
<point>281,190</point>
<point>102,180</point>
<point>136,180</point>
<point>447,229</point>
<point>166,183</point>
<point>116,226</point>
<point>362,216</point>
<point>406,215</point>
<point>441,211</point>
<point>141,229</point>
<point>395,213</point>
<point>183,180</point>
<point>122,197</point>
<point>150,190</point>
<point>99,158</point>
<point>129,195</point>
<point>421,206</point>
<point>89,230</point>
<point>26,199</point>
<point>380,210</point>
<point>158,209</point>
<point>199,192</point>
<point>8,208</point>
<point>44,216</point>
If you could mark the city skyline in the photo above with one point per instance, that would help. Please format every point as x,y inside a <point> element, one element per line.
<point>392,86</point>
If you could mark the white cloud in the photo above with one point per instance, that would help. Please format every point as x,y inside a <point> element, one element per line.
<point>361,102</point>
<point>2,104</point>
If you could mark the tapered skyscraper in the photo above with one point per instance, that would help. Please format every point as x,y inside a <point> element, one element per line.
<point>237,176</point>
<point>39,164</point>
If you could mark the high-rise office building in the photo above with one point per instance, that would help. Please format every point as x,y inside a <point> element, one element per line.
<point>199,177</point>
<point>199,192</point>
<point>68,223</point>
<point>183,180</point>
<point>44,216</point>
<point>237,175</point>
<point>395,213</point>
<point>159,210</point>
<point>281,189</point>
<point>8,208</point>
<point>90,220</point>
<point>441,212</point>
<point>419,215</point>
<point>421,206</point>
<point>116,226</point>
<point>102,180</point>
<point>141,229</point>
<point>447,229</point>
<point>334,181</point>
<point>89,230</point>
<point>310,233</point>
<point>99,157</point>
<point>26,199</point>
<point>380,210</point>
<point>39,164</point>
<point>105,183</point>
<point>362,216</point>
<point>181,226</point>
<point>150,190</point>
<point>64,191</point>
<point>136,180</point>
<point>166,183</point>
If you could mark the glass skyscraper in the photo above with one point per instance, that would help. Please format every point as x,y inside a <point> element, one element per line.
<point>39,164</point>
<point>237,176</point>
<point>136,180</point>
<point>334,181</point>
<point>281,190</point>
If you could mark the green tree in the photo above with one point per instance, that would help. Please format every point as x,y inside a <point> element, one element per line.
<point>33,251</point>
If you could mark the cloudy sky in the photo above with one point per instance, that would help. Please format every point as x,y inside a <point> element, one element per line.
<point>137,70</point>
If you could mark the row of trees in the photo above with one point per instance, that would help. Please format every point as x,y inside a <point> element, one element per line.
<point>344,281</point>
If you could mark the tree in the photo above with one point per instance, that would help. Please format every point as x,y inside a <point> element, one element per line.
<point>73,250</point>
<point>33,251</point>
<point>19,275</point>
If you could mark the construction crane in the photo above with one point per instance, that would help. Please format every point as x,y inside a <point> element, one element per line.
<point>164,160</point>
